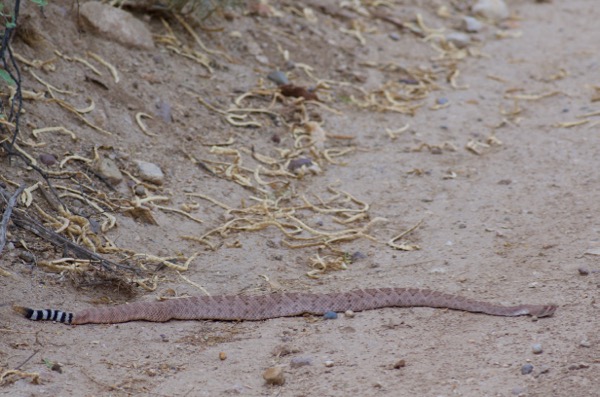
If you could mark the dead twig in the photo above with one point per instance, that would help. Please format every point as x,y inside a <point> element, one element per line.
<point>12,201</point>
<point>26,360</point>
<point>22,220</point>
<point>405,247</point>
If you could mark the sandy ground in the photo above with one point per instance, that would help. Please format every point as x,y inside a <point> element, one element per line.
<point>511,224</point>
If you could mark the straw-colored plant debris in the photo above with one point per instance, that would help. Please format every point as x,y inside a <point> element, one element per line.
<point>12,375</point>
<point>347,220</point>
<point>175,44</point>
<point>89,233</point>
<point>270,176</point>
<point>405,246</point>
<point>586,118</point>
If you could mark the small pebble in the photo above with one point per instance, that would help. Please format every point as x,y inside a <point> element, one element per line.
<point>518,390</point>
<point>297,362</point>
<point>472,25</point>
<point>27,256</point>
<point>274,376</point>
<point>494,10</point>
<point>109,170</point>
<point>330,315</point>
<point>585,343</point>
<point>278,77</point>
<point>459,39</point>
<point>400,364</point>
<point>139,190</point>
<point>583,270</point>
<point>329,363</point>
<point>222,356</point>
<point>356,256</point>
<point>349,314</point>
<point>57,367</point>
<point>164,338</point>
<point>150,172</point>
<point>394,36</point>
<point>262,59</point>
<point>298,163</point>
<point>48,159</point>
<point>526,369</point>
<point>536,348</point>
<point>163,110</point>
<point>441,101</point>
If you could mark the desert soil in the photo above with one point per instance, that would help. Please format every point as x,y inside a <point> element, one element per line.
<point>488,156</point>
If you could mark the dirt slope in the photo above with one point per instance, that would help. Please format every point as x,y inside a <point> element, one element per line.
<point>505,192</point>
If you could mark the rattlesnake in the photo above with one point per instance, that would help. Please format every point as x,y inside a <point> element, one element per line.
<point>262,307</point>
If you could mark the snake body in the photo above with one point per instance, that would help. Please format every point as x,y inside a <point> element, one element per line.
<point>262,307</point>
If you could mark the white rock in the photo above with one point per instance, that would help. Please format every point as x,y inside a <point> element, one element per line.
<point>585,343</point>
<point>494,10</point>
<point>472,25</point>
<point>460,40</point>
<point>116,24</point>
<point>150,172</point>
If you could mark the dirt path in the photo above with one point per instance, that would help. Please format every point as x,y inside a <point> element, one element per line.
<point>510,224</point>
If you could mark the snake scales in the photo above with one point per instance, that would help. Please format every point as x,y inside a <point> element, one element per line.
<point>261,307</point>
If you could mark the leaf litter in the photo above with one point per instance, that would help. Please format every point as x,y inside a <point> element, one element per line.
<point>318,221</point>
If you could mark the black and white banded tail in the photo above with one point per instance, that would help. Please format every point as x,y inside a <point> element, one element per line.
<point>45,315</point>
